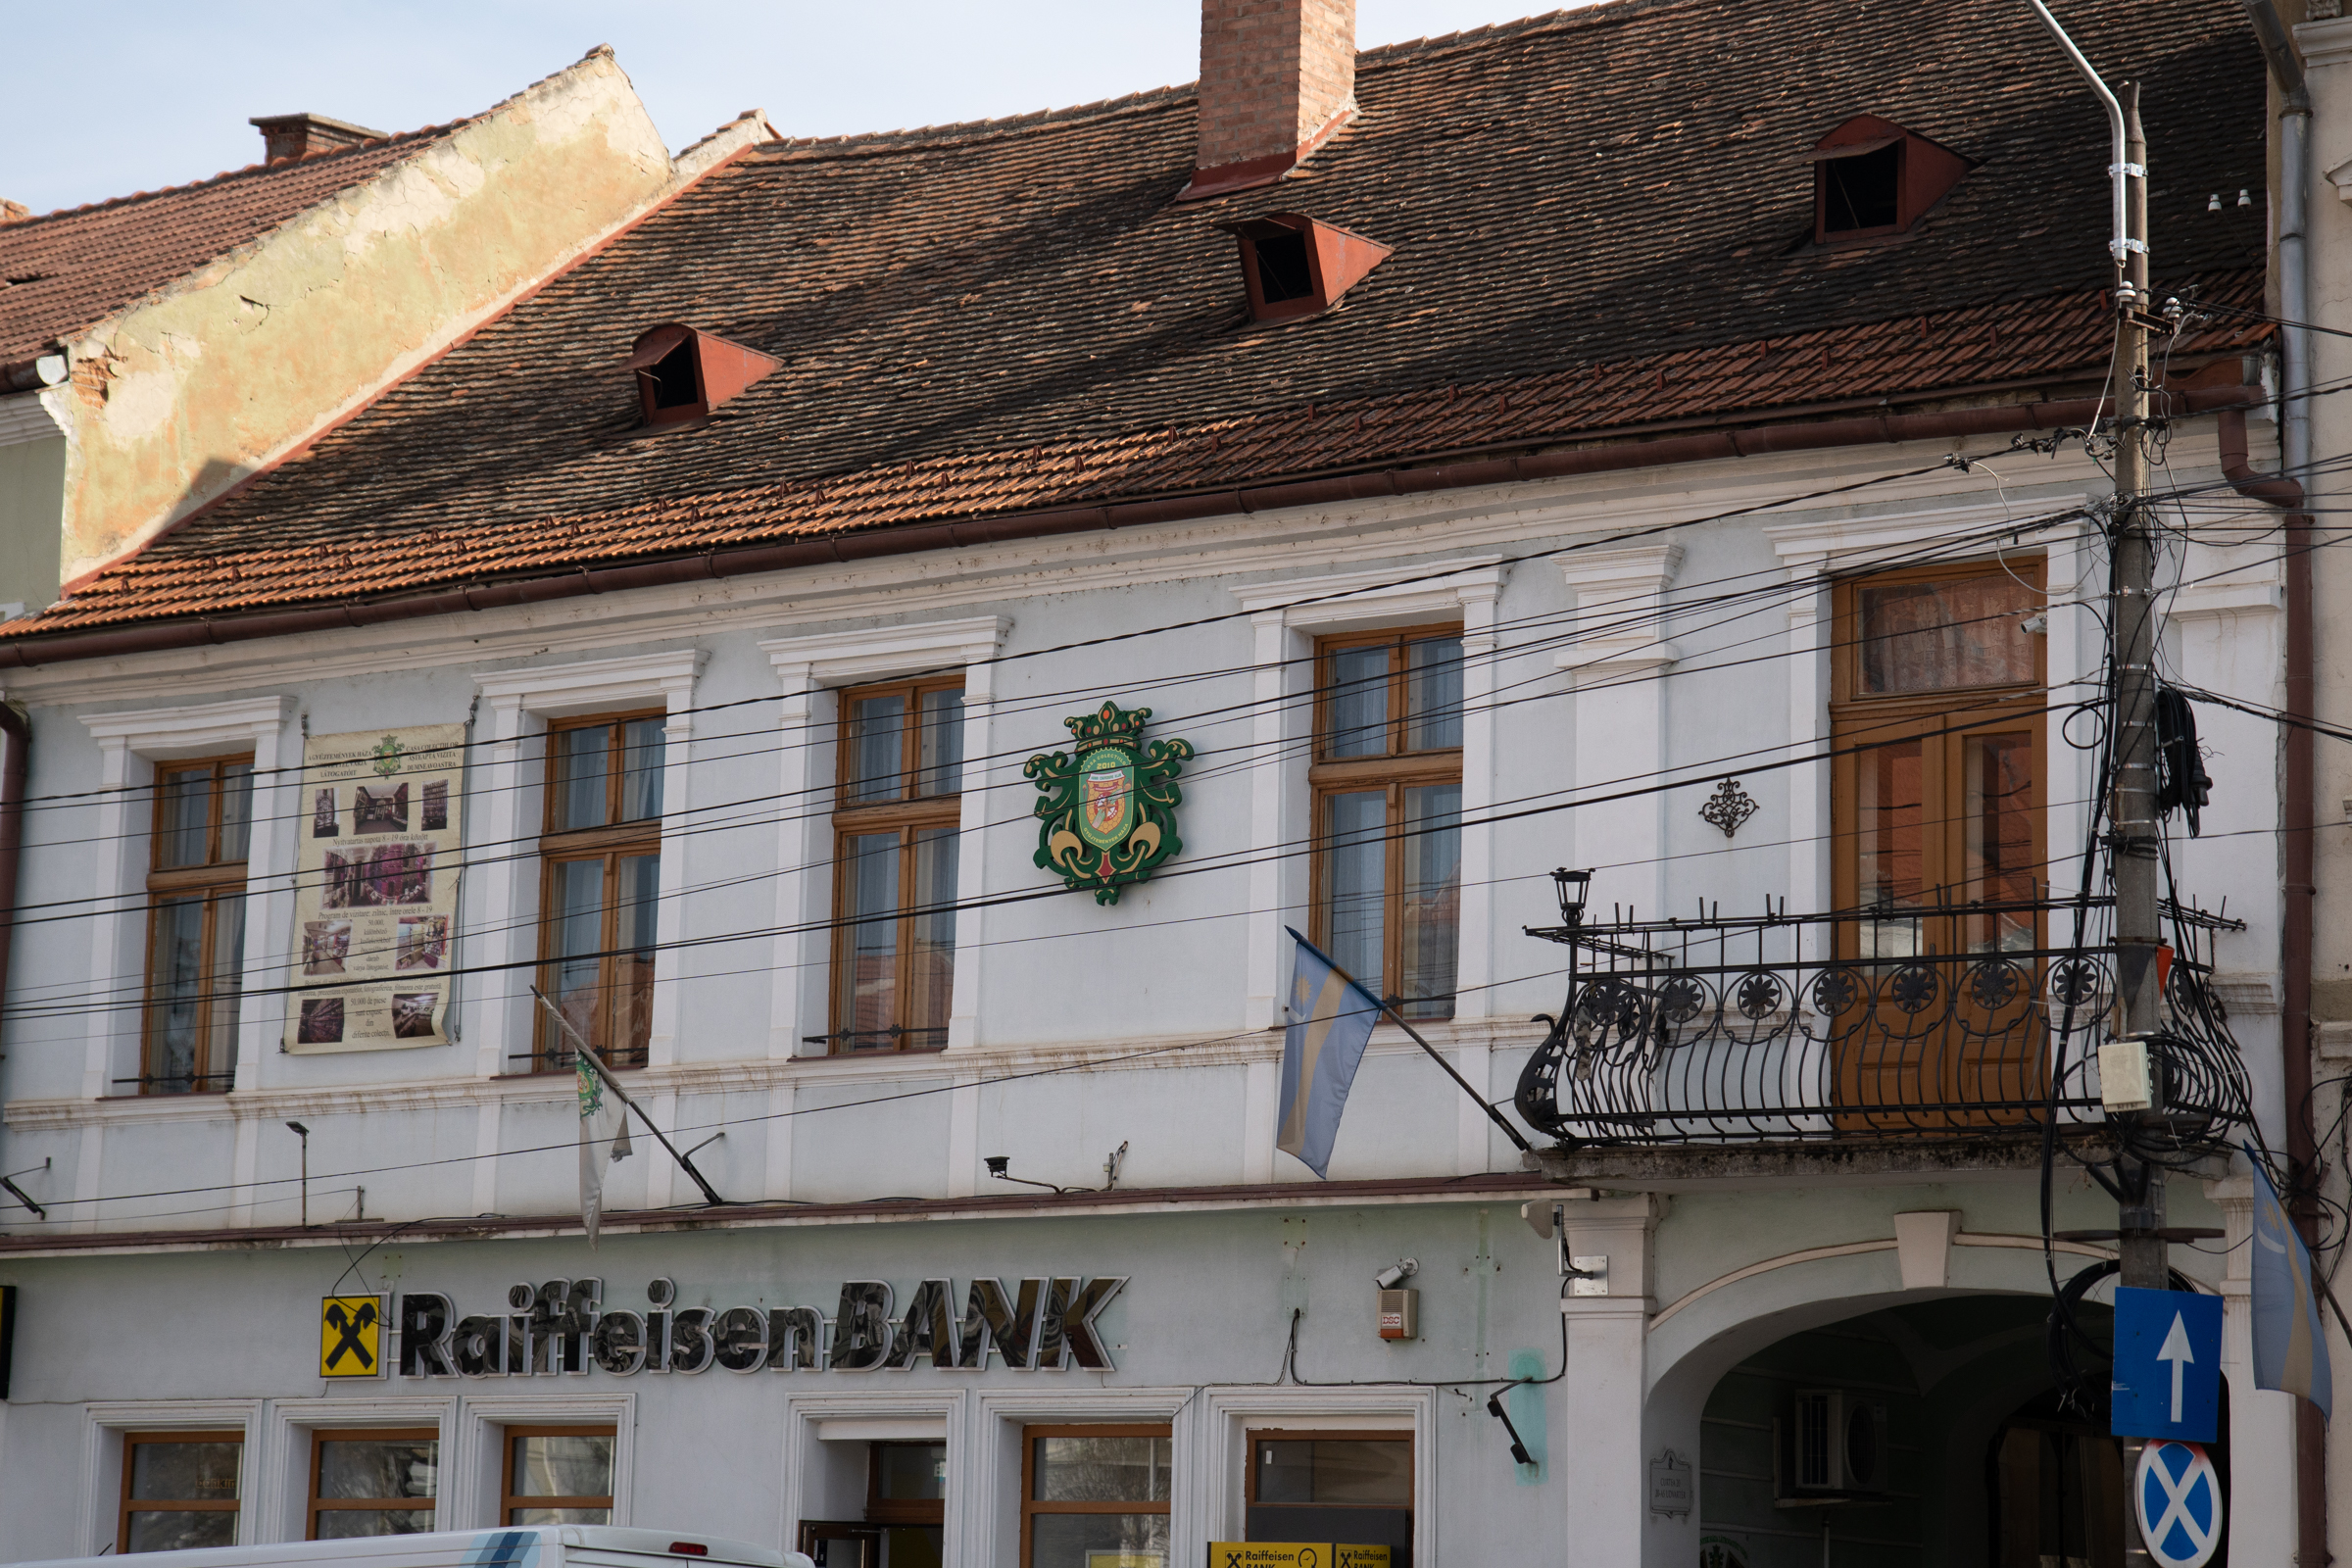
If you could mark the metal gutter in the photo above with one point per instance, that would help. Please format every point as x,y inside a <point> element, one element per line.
<point>12,769</point>
<point>966,533</point>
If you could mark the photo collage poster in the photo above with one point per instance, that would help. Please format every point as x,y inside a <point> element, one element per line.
<point>376,899</point>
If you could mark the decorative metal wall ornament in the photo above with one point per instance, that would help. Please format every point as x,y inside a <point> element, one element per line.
<point>1727,808</point>
<point>1109,816</point>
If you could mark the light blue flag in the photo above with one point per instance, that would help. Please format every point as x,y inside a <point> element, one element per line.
<point>1330,1020</point>
<point>2290,1343</point>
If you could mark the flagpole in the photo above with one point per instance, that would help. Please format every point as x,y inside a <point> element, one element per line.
<point>606,1073</point>
<point>1509,1131</point>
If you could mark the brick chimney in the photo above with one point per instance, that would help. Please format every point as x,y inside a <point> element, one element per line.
<point>300,135</point>
<point>1277,76</point>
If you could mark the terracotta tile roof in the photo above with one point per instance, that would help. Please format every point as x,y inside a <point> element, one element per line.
<point>1600,221</point>
<point>70,270</point>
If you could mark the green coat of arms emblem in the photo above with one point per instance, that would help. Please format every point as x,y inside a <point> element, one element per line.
<point>1109,816</point>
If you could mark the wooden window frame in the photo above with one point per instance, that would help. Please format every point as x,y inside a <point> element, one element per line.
<point>881,1511</point>
<point>1031,1508</point>
<point>133,1439</point>
<point>213,879</point>
<point>322,1436</point>
<point>1858,717</point>
<point>1396,771</point>
<point>1252,1437</point>
<point>612,841</point>
<point>510,1502</point>
<point>910,816</point>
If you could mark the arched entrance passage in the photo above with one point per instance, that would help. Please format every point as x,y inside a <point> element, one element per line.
<point>1887,1437</point>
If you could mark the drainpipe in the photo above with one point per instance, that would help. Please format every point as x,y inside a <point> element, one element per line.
<point>2296,825</point>
<point>17,731</point>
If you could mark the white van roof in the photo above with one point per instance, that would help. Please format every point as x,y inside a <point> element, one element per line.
<point>517,1546</point>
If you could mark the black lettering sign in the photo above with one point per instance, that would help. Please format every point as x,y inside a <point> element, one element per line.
<point>425,1336</point>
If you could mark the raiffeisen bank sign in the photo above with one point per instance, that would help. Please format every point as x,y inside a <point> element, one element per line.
<point>562,1327</point>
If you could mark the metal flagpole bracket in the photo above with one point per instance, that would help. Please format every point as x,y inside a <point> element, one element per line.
<point>685,1161</point>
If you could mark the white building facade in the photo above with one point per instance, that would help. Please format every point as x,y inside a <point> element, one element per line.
<point>1007,1267</point>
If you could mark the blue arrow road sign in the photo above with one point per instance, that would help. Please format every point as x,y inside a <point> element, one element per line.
<point>2167,1364</point>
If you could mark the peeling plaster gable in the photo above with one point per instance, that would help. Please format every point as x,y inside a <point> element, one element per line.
<point>204,382</point>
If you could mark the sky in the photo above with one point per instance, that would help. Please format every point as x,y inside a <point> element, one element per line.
<point>148,94</point>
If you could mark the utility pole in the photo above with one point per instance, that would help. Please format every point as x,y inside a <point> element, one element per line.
<point>2135,845</point>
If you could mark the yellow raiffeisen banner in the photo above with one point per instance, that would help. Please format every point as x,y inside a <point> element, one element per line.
<point>375,891</point>
<point>1294,1555</point>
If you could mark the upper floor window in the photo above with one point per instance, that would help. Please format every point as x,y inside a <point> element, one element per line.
<point>1939,779</point>
<point>602,852</point>
<point>1387,780</point>
<point>196,924</point>
<point>895,841</point>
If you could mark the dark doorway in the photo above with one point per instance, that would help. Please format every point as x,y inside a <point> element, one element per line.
<point>2055,1478</point>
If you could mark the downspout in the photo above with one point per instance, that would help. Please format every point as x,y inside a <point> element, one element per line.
<point>17,731</point>
<point>2296,826</point>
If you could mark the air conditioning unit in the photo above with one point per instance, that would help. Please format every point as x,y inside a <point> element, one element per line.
<point>1838,1443</point>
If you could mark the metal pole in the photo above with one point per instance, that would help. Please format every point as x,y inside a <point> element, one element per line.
<point>2138,918</point>
<point>580,1045</point>
<point>1484,1104</point>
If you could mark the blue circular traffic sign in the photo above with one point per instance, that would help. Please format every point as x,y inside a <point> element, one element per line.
<point>2178,1498</point>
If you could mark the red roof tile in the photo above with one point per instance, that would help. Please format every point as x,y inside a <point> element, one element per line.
<point>1601,221</point>
<point>1927,355</point>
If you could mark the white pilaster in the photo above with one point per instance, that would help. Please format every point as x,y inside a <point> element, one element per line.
<point>2262,1422</point>
<point>1615,657</point>
<point>1606,1487</point>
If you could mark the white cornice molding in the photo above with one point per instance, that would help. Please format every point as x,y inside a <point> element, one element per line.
<point>1642,569</point>
<point>1840,544</point>
<point>2326,43</point>
<point>1615,589</point>
<point>188,731</point>
<point>29,417</point>
<point>557,690</point>
<point>1499,517</point>
<point>878,653</point>
<point>1390,593</point>
<point>741,1075</point>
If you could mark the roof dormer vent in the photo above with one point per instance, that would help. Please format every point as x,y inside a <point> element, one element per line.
<point>683,374</point>
<point>1873,179</point>
<point>1296,266</point>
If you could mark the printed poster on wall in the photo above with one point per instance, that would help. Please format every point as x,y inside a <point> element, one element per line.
<point>376,899</point>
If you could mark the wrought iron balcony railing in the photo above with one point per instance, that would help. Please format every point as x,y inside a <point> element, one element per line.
<point>1852,1024</point>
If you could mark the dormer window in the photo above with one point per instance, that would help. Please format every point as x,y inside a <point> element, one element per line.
<point>683,374</point>
<point>1293,265</point>
<point>1873,179</point>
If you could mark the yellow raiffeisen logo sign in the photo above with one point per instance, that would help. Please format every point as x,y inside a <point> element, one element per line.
<point>1294,1555</point>
<point>351,1337</point>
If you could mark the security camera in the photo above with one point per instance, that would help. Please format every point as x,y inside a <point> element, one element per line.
<point>1397,1273</point>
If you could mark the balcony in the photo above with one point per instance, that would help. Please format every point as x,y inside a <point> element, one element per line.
<point>1854,1027</point>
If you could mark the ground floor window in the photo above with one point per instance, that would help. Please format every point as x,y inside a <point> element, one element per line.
<point>374,1483</point>
<point>558,1475</point>
<point>179,1489</point>
<point>906,1513</point>
<point>1336,1488</point>
<point>1095,1497</point>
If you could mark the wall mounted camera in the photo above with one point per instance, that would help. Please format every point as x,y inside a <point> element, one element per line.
<point>1400,1305</point>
